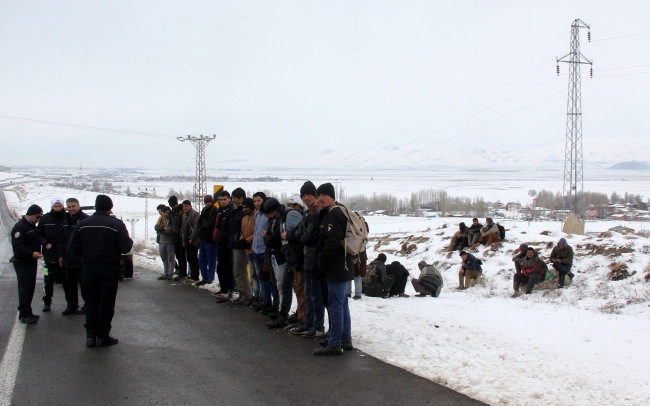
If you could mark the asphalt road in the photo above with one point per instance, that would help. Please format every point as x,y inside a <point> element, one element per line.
<point>177,347</point>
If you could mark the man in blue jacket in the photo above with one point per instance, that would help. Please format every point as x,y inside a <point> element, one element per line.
<point>100,241</point>
<point>469,269</point>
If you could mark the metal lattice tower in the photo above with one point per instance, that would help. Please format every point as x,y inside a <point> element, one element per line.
<point>132,221</point>
<point>146,214</point>
<point>200,188</point>
<point>573,168</point>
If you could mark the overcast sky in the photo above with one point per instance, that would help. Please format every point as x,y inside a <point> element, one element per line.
<point>274,78</point>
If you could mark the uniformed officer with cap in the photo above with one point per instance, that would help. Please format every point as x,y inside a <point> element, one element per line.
<point>99,240</point>
<point>27,251</point>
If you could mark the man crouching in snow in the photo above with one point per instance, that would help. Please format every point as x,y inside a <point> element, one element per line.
<point>334,265</point>
<point>429,282</point>
<point>470,269</point>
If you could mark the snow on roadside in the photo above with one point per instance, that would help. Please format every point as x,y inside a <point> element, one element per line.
<point>584,345</point>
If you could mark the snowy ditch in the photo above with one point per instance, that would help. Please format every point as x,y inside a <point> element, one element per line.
<point>582,345</point>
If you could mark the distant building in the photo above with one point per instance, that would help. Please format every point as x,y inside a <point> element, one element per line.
<point>5,168</point>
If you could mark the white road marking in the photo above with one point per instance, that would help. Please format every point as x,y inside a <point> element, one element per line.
<point>11,362</point>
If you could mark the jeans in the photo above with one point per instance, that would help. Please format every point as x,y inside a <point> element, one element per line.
<point>168,256</point>
<point>339,312</point>
<point>207,261</point>
<point>314,303</point>
<point>358,284</point>
<point>277,279</point>
<point>255,275</point>
<point>563,270</point>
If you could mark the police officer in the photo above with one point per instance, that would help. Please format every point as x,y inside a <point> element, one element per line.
<point>27,251</point>
<point>99,240</point>
<point>50,230</point>
<point>70,262</point>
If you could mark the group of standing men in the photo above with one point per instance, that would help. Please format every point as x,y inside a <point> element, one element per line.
<point>295,248</point>
<point>77,249</point>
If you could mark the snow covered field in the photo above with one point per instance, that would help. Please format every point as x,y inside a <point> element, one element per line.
<point>583,345</point>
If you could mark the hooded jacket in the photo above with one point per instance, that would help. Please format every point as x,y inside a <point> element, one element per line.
<point>50,230</point>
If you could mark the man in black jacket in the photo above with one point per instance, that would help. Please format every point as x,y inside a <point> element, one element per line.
<point>177,227</point>
<point>314,325</point>
<point>207,249</point>
<point>100,241</point>
<point>70,262</point>
<point>474,232</point>
<point>239,255</point>
<point>26,245</point>
<point>50,230</point>
<point>224,252</point>
<point>336,267</point>
<point>401,275</point>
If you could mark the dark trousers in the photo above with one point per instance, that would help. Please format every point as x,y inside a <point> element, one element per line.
<point>73,285</point>
<point>26,275</point>
<point>99,282</point>
<point>224,269</point>
<point>192,256</point>
<point>530,281</point>
<point>181,258</point>
<point>563,270</point>
<point>287,294</point>
<point>399,285</point>
<point>53,273</point>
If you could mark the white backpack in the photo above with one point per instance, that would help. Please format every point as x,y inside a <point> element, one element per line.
<point>356,232</point>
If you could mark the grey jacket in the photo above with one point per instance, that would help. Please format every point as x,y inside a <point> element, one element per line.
<point>431,279</point>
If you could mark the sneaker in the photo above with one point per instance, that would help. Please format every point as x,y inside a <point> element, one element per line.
<point>300,330</point>
<point>571,275</point>
<point>277,323</point>
<point>269,310</point>
<point>162,278</point>
<point>261,307</point>
<point>82,310</point>
<point>105,342</point>
<point>313,333</point>
<point>347,346</point>
<point>200,283</point>
<point>223,298</point>
<point>327,350</point>
<point>91,341</point>
<point>293,318</point>
<point>291,326</point>
<point>46,307</point>
<point>69,311</point>
<point>356,297</point>
<point>28,320</point>
<point>349,295</point>
<point>385,296</point>
<point>177,278</point>
<point>420,295</point>
<point>274,314</point>
<point>242,302</point>
<point>323,342</point>
<point>36,316</point>
<point>170,277</point>
<point>403,295</point>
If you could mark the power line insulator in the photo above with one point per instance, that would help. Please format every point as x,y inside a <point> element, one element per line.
<point>591,72</point>
<point>589,36</point>
<point>557,68</point>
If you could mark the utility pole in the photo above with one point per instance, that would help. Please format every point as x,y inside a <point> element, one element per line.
<point>146,214</point>
<point>200,189</point>
<point>573,168</point>
<point>132,221</point>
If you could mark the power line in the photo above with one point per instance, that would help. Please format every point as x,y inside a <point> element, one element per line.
<point>85,127</point>
<point>452,124</point>
<point>622,36</point>
<point>435,118</point>
<point>626,67</point>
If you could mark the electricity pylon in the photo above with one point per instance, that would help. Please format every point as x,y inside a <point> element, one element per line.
<point>573,167</point>
<point>200,189</point>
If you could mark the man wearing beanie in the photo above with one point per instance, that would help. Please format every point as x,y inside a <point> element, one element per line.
<point>335,266</point>
<point>562,260</point>
<point>50,230</point>
<point>27,251</point>
<point>100,241</point>
<point>176,217</point>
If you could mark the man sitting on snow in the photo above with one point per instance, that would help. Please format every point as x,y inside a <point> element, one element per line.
<point>459,240</point>
<point>489,233</point>
<point>532,271</point>
<point>473,232</point>
<point>519,257</point>
<point>562,259</point>
<point>429,282</point>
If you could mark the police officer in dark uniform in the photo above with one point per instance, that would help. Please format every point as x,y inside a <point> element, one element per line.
<point>70,262</point>
<point>50,230</point>
<point>100,240</point>
<point>27,251</point>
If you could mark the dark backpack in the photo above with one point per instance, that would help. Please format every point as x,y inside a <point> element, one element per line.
<point>371,270</point>
<point>502,231</point>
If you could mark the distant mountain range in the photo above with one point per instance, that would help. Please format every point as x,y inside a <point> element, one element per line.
<point>621,153</point>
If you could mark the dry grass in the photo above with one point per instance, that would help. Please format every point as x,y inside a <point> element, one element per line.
<point>612,307</point>
<point>139,246</point>
<point>643,233</point>
<point>605,234</point>
<point>408,248</point>
<point>606,251</point>
<point>545,233</point>
<point>618,271</point>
